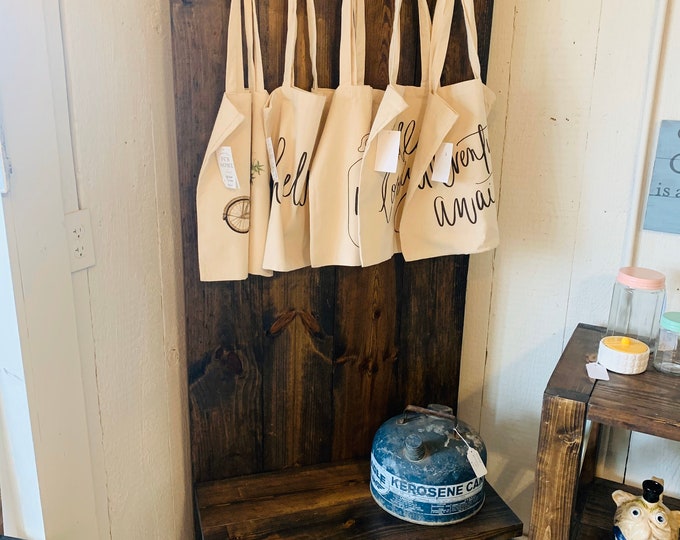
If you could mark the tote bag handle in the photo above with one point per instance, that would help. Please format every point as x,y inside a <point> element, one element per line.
<point>234,80</point>
<point>441,32</point>
<point>352,43</point>
<point>254,51</point>
<point>424,24</point>
<point>291,38</point>
<point>234,68</point>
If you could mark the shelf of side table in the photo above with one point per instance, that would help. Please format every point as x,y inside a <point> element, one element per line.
<point>647,403</point>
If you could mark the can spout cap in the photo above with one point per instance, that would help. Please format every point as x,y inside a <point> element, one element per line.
<point>414,448</point>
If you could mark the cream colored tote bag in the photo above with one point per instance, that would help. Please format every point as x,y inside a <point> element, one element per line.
<point>335,170</point>
<point>451,203</point>
<point>293,118</point>
<point>227,249</point>
<point>390,149</point>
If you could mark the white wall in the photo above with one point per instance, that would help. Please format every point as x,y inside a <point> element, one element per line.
<point>51,382</point>
<point>119,76</point>
<point>573,135</point>
<point>21,511</point>
<point>102,347</point>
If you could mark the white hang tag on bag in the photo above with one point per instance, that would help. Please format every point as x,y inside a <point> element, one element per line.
<point>442,163</point>
<point>272,159</point>
<point>387,151</point>
<point>225,161</point>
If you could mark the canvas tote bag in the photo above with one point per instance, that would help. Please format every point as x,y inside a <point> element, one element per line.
<point>451,203</point>
<point>393,138</point>
<point>335,172</point>
<point>293,119</point>
<point>223,191</point>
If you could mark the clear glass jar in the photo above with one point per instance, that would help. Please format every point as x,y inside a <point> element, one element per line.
<point>667,357</point>
<point>638,301</point>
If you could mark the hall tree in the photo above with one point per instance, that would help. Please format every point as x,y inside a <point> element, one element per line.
<point>302,368</point>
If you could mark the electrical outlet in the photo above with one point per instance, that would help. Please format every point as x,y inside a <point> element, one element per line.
<point>79,236</point>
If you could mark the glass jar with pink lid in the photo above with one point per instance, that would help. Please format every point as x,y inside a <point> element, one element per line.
<point>638,301</point>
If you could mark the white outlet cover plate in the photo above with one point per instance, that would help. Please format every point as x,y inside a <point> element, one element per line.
<point>78,228</point>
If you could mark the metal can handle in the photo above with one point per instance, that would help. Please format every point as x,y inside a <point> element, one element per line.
<point>428,412</point>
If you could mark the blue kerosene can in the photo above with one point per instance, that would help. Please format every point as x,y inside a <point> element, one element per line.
<point>422,470</point>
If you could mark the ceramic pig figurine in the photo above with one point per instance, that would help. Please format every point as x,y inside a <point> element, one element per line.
<point>645,517</point>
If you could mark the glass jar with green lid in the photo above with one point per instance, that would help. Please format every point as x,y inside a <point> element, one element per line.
<point>667,357</point>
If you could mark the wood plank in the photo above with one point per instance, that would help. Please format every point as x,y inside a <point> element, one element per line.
<point>298,368</point>
<point>431,330</point>
<point>559,446</point>
<point>651,405</point>
<point>223,322</point>
<point>366,352</point>
<point>328,501</point>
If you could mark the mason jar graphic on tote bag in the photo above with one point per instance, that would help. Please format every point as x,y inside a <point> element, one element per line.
<point>451,204</point>
<point>223,195</point>
<point>335,172</point>
<point>293,118</point>
<point>390,149</point>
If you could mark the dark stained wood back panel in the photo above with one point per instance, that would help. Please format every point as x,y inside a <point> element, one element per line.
<point>303,367</point>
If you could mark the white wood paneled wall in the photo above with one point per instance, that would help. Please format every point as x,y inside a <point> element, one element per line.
<point>119,74</point>
<point>88,110</point>
<point>573,132</point>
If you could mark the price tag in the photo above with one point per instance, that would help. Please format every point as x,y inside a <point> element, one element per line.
<point>387,151</point>
<point>476,462</point>
<point>597,371</point>
<point>442,163</point>
<point>272,159</point>
<point>225,161</point>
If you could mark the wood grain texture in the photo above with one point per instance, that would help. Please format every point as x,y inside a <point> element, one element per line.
<point>563,417</point>
<point>559,445</point>
<point>298,368</point>
<point>302,368</point>
<point>366,352</point>
<point>650,406</point>
<point>328,501</point>
<point>432,291</point>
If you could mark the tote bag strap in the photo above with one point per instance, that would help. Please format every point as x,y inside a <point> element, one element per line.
<point>359,41</point>
<point>441,32</point>
<point>255,70</point>
<point>234,68</point>
<point>352,42</point>
<point>291,38</point>
<point>424,24</point>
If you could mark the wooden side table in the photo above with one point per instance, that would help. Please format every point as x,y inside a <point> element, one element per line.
<point>569,502</point>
